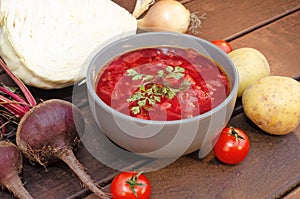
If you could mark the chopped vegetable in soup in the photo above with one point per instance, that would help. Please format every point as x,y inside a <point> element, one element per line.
<point>164,83</point>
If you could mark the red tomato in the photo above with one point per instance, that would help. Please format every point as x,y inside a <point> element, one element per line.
<point>226,47</point>
<point>232,146</point>
<point>130,185</point>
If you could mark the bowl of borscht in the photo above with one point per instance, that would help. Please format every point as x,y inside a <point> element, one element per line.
<point>162,94</point>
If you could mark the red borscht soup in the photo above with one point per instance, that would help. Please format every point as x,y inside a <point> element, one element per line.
<point>163,83</point>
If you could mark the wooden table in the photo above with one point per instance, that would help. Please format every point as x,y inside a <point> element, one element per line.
<point>272,168</point>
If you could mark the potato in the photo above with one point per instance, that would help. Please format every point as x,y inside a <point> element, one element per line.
<point>251,65</point>
<point>273,104</point>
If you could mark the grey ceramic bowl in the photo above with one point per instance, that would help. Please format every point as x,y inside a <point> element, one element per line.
<point>161,139</point>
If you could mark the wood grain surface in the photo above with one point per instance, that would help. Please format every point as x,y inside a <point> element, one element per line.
<point>272,168</point>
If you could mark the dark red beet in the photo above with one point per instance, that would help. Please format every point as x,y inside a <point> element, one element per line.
<point>49,131</point>
<point>11,165</point>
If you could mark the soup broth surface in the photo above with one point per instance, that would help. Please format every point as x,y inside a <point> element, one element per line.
<point>164,83</point>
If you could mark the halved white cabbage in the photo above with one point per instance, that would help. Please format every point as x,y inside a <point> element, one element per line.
<point>47,43</point>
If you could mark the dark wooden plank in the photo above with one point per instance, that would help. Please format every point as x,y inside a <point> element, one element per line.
<point>295,194</point>
<point>272,165</point>
<point>272,168</point>
<point>279,42</point>
<point>189,177</point>
<point>58,182</point>
<point>227,18</point>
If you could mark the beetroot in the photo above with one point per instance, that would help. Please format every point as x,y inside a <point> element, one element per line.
<point>11,165</point>
<point>48,131</point>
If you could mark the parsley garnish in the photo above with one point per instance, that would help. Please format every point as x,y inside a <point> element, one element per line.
<point>147,97</point>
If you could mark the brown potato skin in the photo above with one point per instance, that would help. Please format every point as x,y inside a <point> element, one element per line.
<point>251,64</point>
<point>273,104</point>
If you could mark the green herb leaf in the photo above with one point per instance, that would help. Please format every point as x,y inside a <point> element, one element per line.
<point>135,110</point>
<point>142,87</point>
<point>179,69</point>
<point>135,96</point>
<point>184,85</point>
<point>142,102</point>
<point>160,73</point>
<point>149,91</point>
<point>171,94</point>
<point>157,98</point>
<point>147,77</point>
<point>151,102</point>
<point>176,76</point>
<point>169,69</point>
<point>131,72</point>
<point>165,90</point>
<point>137,77</point>
<point>151,95</point>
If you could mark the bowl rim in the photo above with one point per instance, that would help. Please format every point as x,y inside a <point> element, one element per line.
<point>91,87</point>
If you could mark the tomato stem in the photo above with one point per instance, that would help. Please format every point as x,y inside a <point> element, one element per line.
<point>132,182</point>
<point>235,134</point>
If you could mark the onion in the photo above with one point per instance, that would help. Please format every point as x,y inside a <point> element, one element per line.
<point>169,15</point>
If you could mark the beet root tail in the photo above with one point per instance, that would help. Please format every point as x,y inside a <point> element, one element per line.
<point>70,159</point>
<point>14,184</point>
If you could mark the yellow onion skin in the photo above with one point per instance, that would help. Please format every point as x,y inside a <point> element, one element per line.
<point>166,15</point>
